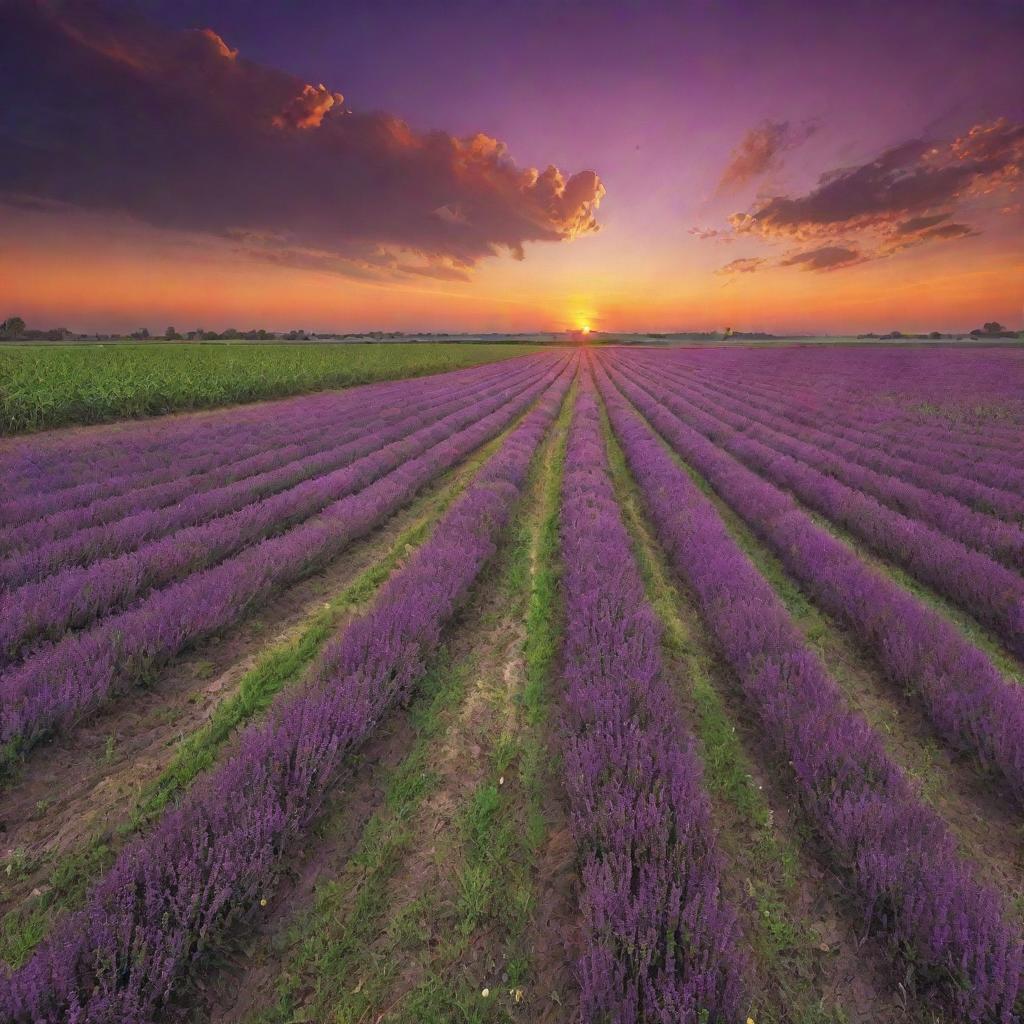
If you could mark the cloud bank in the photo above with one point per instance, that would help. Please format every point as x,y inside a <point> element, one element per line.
<point>905,197</point>
<point>179,131</point>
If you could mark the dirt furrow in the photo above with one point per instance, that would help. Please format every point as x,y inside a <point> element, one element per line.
<point>73,802</point>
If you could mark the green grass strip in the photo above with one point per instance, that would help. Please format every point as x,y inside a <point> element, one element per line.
<point>496,877</point>
<point>330,962</point>
<point>332,969</point>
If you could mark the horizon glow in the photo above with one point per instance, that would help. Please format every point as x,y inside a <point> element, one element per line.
<point>788,168</point>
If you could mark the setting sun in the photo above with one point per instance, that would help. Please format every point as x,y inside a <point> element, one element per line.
<point>584,328</point>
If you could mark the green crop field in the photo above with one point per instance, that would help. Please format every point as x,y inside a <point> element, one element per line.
<point>54,385</point>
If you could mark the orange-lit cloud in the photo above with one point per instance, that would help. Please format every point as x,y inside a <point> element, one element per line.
<point>307,110</point>
<point>760,151</point>
<point>179,131</point>
<point>916,178</point>
<point>712,234</point>
<point>901,199</point>
<point>222,48</point>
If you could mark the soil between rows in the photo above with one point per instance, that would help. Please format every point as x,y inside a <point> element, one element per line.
<point>978,807</point>
<point>486,643</point>
<point>80,785</point>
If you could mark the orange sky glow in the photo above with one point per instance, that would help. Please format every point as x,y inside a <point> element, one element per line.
<point>219,183</point>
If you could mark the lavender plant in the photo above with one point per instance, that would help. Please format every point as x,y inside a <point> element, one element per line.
<point>898,854</point>
<point>982,587</point>
<point>171,896</point>
<point>71,678</point>
<point>660,941</point>
<point>971,705</point>
<point>77,595</point>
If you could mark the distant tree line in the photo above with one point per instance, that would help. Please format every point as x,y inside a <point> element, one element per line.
<point>726,335</point>
<point>14,328</point>
<point>992,329</point>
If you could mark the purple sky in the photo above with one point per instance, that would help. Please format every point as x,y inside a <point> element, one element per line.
<point>689,113</point>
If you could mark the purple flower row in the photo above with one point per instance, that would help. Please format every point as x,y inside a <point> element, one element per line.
<point>978,584</point>
<point>171,895</point>
<point>986,457</point>
<point>78,595</point>
<point>42,517</point>
<point>124,477</point>
<point>326,452</point>
<point>660,939</point>
<point>57,464</point>
<point>971,705</point>
<point>1001,541</point>
<point>139,520</point>
<point>72,677</point>
<point>899,854</point>
<point>872,453</point>
<point>967,400</point>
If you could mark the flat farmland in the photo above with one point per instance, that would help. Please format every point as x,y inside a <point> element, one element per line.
<point>54,385</point>
<point>599,684</point>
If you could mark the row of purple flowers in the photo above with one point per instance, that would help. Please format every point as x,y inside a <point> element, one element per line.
<point>660,940</point>
<point>70,678</point>
<point>171,895</point>
<point>897,852</point>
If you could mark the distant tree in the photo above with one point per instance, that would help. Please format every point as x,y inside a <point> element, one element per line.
<point>12,327</point>
<point>934,335</point>
<point>172,335</point>
<point>993,327</point>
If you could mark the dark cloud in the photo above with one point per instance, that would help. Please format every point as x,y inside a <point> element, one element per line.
<point>916,179</point>
<point>759,151</point>
<point>178,130</point>
<point>826,257</point>
<point>744,265</point>
<point>948,231</point>
<point>921,231</point>
<point>916,224</point>
<point>904,198</point>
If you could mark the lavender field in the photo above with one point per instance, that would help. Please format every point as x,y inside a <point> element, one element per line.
<point>602,684</point>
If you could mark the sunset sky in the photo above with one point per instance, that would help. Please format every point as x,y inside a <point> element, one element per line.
<point>470,166</point>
